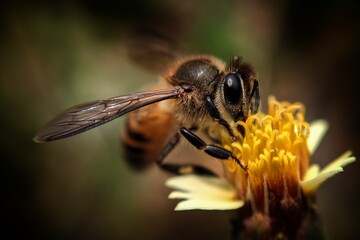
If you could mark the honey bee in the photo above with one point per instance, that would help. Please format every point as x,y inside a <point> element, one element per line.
<point>192,93</point>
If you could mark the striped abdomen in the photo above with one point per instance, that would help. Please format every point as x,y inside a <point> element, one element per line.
<point>146,132</point>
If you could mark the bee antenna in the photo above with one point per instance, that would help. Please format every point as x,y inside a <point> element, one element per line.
<point>235,63</point>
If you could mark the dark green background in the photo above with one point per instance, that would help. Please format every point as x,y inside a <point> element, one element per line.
<point>54,55</point>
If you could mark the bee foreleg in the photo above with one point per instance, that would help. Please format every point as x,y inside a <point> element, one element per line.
<point>255,97</point>
<point>212,150</point>
<point>176,168</point>
<point>215,114</point>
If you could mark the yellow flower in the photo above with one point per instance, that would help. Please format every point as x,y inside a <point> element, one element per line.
<point>276,148</point>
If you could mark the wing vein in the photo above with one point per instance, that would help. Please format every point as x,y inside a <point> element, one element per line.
<point>92,114</point>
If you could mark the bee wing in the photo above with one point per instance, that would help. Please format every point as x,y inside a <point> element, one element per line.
<point>152,50</point>
<point>92,114</point>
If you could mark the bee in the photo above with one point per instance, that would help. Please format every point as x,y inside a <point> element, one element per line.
<point>192,93</point>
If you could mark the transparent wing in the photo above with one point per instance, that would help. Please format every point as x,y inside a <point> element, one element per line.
<point>92,114</point>
<point>152,51</point>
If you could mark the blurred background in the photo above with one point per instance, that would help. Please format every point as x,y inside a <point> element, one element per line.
<point>54,55</point>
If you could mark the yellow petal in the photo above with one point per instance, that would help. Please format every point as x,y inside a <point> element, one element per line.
<point>318,129</point>
<point>312,172</point>
<point>206,193</point>
<point>188,195</point>
<point>312,185</point>
<point>201,204</point>
<point>341,161</point>
<point>201,185</point>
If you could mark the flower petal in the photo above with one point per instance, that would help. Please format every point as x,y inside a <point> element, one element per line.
<point>312,172</point>
<point>205,193</point>
<point>318,129</point>
<point>341,161</point>
<point>202,204</point>
<point>201,185</point>
<point>191,195</point>
<point>312,185</point>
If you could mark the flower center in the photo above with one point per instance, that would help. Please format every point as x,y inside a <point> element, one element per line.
<point>274,147</point>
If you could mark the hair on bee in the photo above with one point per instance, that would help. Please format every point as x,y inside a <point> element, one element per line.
<point>195,92</point>
<point>237,65</point>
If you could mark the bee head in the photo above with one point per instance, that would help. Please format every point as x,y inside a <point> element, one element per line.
<point>238,93</point>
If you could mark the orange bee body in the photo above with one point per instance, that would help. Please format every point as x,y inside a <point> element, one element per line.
<point>192,93</point>
<point>146,132</point>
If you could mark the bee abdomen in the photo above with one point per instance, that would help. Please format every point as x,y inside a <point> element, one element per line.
<point>136,136</point>
<point>145,134</point>
<point>135,156</point>
<point>135,146</point>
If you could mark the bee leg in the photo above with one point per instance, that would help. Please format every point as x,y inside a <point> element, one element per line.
<point>212,150</point>
<point>255,97</point>
<point>177,168</point>
<point>214,113</point>
<point>167,149</point>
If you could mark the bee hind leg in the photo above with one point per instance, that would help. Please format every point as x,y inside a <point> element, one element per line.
<point>179,168</point>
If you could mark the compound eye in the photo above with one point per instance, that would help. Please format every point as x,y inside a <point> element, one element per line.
<point>232,89</point>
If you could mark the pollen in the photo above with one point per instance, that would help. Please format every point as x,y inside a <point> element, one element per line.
<point>275,191</point>
<point>273,146</point>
